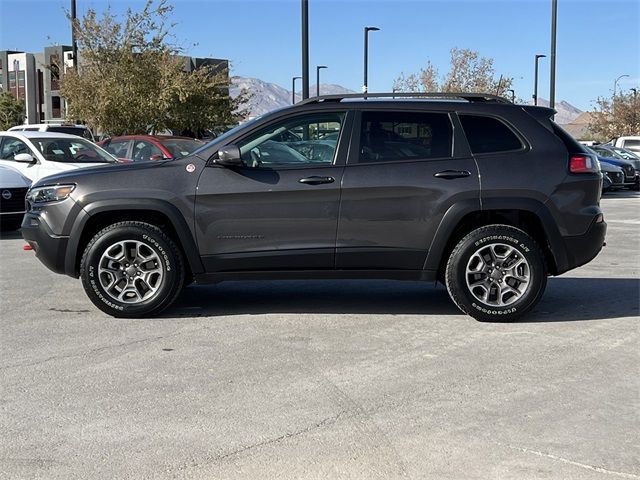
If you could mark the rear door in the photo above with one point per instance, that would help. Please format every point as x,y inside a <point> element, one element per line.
<point>405,169</point>
<point>280,210</point>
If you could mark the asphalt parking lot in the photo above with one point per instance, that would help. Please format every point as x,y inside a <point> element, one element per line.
<point>348,379</point>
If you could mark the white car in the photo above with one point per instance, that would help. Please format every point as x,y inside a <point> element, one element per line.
<point>39,154</point>
<point>629,143</point>
<point>13,188</point>
<point>79,130</point>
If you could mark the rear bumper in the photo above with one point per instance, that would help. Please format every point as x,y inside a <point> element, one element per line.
<point>582,249</point>
<point>50,248</point>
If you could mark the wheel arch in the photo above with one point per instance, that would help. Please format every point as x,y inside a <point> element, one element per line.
<point>529,215</point>
<point>98,215</point>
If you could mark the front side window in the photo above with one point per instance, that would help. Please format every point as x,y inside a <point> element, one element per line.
<point>298,142</point>
<point>12,147</point>
<point>398,136</point>
<point>489,135</point>
<point>69,150</point>
<point>143,151</point>
<point>118,148</point>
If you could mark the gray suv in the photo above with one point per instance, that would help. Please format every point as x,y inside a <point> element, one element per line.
<point>471,190</point>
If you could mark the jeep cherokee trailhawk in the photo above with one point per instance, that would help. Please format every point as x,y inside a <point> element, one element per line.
<point>483,195</point>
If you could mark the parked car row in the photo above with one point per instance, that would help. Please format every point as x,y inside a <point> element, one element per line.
<point>30,152</point>
<point>621,169</point>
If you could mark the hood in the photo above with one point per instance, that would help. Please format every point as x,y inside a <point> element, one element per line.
<point>615,161</point>
<point>76,174</point>
<point>11,178</point>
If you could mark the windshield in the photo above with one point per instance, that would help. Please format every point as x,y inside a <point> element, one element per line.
<point>180,147</point>
<point>71,150</point>
<point>626,154</point>
<point>230,133</point>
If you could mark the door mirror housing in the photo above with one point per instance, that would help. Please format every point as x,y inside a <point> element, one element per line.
<point>229,156</point>
<point>24,158</point>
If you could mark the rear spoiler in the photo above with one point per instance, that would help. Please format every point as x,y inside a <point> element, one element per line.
<point>539,113</point>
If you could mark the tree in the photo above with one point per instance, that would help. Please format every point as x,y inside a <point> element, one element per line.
<point>11,111</point>
<point>615,117</point>
<point>132,79</point>
<point>468,72</point>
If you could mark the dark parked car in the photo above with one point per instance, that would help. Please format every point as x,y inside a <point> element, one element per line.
<point>138,148</point>
<point>612,177</point>
<point>483,195</point>
<point>631,175</point>
<point>620,154</point>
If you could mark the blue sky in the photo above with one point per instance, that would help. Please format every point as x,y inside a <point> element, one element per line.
<point>598,40</point>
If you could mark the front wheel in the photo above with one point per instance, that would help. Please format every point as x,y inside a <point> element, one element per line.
<point>132,269</point>
<point>496,273</point>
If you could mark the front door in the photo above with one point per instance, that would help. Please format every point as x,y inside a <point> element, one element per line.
<point>280,210</point>
<point>9,148</point>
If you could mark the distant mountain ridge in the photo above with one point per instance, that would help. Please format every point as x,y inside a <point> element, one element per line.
<point>268,96</point>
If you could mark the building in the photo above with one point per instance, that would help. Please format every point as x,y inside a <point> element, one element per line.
<point>35,78</point>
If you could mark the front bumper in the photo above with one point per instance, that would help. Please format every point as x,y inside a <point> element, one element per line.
<point>50,249</point>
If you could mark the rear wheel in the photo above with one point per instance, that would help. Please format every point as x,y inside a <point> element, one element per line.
<point>132,269</point>
<point>496,273</point>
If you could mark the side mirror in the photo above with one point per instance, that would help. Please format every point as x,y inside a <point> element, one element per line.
<point>229,156</point>
<point>24,158</point>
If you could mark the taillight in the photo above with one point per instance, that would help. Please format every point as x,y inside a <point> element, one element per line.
<point>583,163</point>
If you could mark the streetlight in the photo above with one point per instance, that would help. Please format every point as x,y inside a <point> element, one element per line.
<point>366,56</point>
<point>513,95</point>
<point>293,89</point>
<point>305,49</point>
<point>74,43</point>
<point>615,84</point>
<point>318,68</point>
<point>535,82</point>
<point>552,69</point>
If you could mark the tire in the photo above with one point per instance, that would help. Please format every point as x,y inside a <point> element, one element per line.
<point>132,269</point>
<point>481,286</point>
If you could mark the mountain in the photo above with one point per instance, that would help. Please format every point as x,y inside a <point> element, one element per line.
<point>567,113</point>
<point>269,96</point>
<point>266,96</point>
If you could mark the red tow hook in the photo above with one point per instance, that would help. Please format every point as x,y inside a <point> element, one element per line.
<point>27,247</point>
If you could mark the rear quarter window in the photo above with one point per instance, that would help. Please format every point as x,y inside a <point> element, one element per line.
<point>489,135</point>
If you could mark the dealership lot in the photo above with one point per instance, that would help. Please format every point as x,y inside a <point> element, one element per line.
<point>310,379</point>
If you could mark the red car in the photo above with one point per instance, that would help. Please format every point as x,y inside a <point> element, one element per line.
<point>138,148</point>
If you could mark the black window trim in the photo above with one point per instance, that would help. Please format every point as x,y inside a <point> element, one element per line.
<point>354,153</point>
<point>523,141</point>
<point>342,145</point>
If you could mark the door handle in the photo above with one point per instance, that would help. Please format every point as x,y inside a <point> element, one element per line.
<point>317,180</point>
<point>450,174</point>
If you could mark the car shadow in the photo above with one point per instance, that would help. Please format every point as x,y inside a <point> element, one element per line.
<point>566,299</point>
<point>11,235</point>
<point>621,194</point>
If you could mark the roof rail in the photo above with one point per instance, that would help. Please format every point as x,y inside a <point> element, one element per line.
<point>470,97</point>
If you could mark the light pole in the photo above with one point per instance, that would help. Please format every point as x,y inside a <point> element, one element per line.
<point>305,49</point>
<point>513,95</point>
<point>552,70</point>
<point>293,89</point>
<point>535,81</point>
<point>615,84</point>
<point>318,68</point>
<point>365,86</point>
<point>635,93</point>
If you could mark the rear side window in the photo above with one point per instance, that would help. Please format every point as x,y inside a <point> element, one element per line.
<point>397,136</point>
<point>488,134</point>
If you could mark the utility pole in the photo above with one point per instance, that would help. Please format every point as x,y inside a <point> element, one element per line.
<point>74,43</point>
<point>318,68</point>
<point>513,95</point>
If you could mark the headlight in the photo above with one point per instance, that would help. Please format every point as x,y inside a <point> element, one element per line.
<point>54,193</point>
